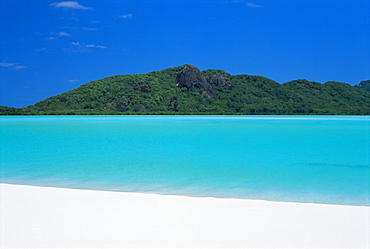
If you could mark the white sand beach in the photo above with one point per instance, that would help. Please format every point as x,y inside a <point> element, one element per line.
<point>43,217</point>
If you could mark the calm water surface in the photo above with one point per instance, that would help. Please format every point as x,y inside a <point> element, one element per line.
<point>320,159</point>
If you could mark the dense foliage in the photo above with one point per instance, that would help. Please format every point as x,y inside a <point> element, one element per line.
<point>365,85</point>
<point>186,90</point>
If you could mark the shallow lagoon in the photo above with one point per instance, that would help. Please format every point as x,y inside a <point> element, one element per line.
<point>320,159</point>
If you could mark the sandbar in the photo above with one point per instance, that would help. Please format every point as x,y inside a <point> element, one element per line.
<point>46,217</point>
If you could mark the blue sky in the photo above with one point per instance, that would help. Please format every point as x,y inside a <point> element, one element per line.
<point>49,47</point>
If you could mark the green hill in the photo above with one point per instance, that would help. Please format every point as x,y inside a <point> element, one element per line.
<point>365,85</point>
<point>331,97</point>
<point>9,110</point>
<point>186,89</point>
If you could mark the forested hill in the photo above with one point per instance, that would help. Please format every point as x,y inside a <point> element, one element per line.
<point>365,85</point>
<point>186,89</point>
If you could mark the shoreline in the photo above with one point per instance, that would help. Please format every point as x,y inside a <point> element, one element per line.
<point>35,217</point>
<point>179,195</point>
<point>222,116</point>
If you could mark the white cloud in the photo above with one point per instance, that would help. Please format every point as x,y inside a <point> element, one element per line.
<point>95,46</point>
<point>73,81</point>
<point>61,33</point>
<point>41,50</point>
<point>19,67</point>
<point>89,29</point>
<point>12,66</point>
<point>2,64</point>
<point>87,46</point>
<point>70,4</point>
<point>127,16</point>
<point>252,5</point>
<point>74,47</point>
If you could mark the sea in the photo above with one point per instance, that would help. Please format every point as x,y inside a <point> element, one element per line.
<point>307,159</point>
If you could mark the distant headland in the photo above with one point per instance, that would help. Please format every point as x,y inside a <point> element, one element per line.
<point>187,90</point>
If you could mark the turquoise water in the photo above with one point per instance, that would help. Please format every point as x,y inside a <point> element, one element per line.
<point>319,159</point>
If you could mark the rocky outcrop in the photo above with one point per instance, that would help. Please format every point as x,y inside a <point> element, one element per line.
<point>191,78</point>
<point>218,78</point>
<point>364,85</point>
<point>220,81</point>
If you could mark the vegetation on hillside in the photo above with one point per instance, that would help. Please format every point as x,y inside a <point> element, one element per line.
<point>186,90</point>
<point>365,85</point>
